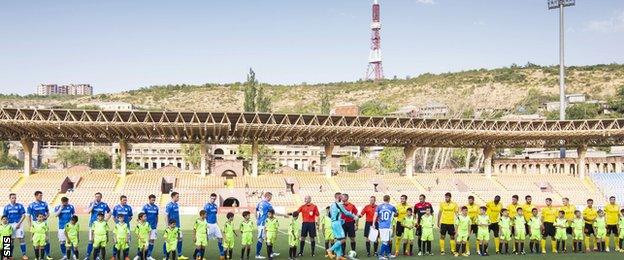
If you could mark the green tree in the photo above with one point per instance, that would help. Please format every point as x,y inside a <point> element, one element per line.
<point>582,111</point>
<point>250,92</point>
<point>8,161</point>
<point>129,165</point>
<point>325,103</point>
<point>534,99</point>
<point>392,159</point>
<point>374,108</point>
<point>255,99</point>
<point>577,112</point>
<point>263,103</point>
<point>191,154</point>
<point>100,160</point>
<point>616,103</point>
<point>352,164</point>
<point>266,162</point>
<point>70,157</point>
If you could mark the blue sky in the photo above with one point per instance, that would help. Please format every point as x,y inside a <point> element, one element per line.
<point>119,45</point>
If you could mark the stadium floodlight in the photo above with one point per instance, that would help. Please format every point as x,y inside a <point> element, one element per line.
<point>554,4</point>
<point>561,4</point>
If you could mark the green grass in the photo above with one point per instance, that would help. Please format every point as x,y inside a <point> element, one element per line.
<point>282,245</point>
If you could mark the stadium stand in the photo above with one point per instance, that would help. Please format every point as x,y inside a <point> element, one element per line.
<point>610,184</point>
<point>8,178</point>
<point>47,181</point>
<point>290,188</point>
<point>103,181</point>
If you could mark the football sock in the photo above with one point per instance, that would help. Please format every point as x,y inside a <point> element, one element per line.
<point>453,249</point>
<point>258,247</point>
<point>442,245</point>
<point>63,247</point>
<point>553,245</point>
<point>497,244</point>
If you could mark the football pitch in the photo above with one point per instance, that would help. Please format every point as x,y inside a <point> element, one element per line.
<point>281,245</point>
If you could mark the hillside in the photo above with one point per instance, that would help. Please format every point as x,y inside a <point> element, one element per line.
<point>503,88</point>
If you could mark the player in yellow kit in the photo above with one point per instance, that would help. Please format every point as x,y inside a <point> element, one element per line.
<point>589,215</point>
<point>121,237</point>
<point>427,225</point>
<point>621,230</point>
<point>398,224</point>
<point>561,225</point>
<point>201,235</point>
<point>142,231</point>
<point>549,215</point>
<point>600,228</point>
<point>72,229</point>
<point>462,226</point>
<point>326,226</point>
<point>172,233</point>
<point>294,229</point>
<point>493,211</point>
<point>271,228</point>
<point>577,226</point>
<point>228,235</point>
<point>612,216</point>
<point>527,208</point>
<point>99,233</point>
<point>505,224</point>
<point>512,208</point>
<point>535,231</point>
<point>473,212</point>
<point>409,225</point>
<point>483,233</point>
<point>446,221</point>
<point>520,229</point>
<point>246,228</point>
<point>569,210</point>
<point>6,230</point>
<point>39,230</point>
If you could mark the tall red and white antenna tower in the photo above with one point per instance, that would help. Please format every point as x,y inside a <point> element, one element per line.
<point>375,70</point>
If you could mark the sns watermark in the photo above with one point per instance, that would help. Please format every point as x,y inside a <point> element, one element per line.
<point>7,244</point>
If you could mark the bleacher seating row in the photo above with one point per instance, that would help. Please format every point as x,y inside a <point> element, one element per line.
<point>196,189</point>
<point>611,184</point>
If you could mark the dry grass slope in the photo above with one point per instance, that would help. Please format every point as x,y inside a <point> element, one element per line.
<point>497,88</point>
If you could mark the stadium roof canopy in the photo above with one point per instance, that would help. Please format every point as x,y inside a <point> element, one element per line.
<point>234,128</point>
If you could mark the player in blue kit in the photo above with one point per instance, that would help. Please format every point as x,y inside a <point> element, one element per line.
<point>336,211</point>
<point>64,213</point>
<point>172,212</point>
<point>384,213</point>
<point>214,232</point>
<point>122,209</point>
<point>16,213</point>
<point>262,211</point>
<point>40,207</point>
<point>151,212</point>
<point>96,207</point>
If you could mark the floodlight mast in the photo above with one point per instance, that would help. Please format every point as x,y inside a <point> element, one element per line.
<point>561,4</point>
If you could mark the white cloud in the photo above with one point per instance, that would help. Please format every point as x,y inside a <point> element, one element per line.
<point>479,23</point>
<point>427,2</point>
<point>610,25</point>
